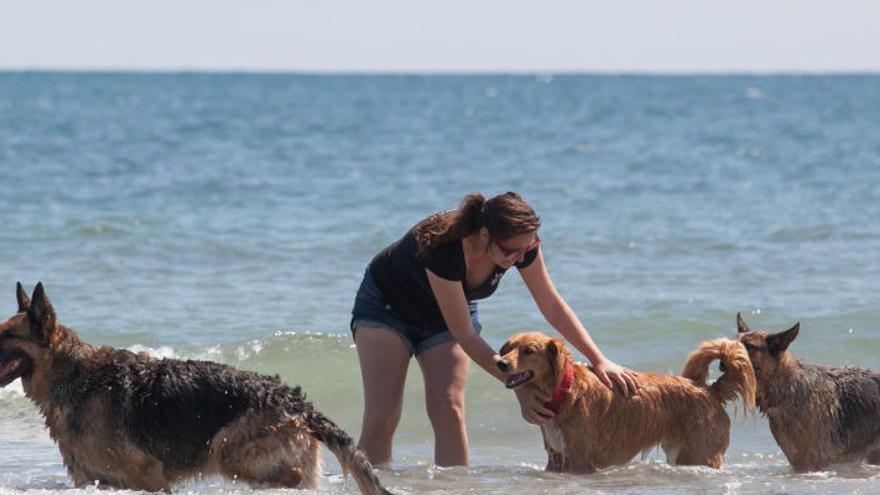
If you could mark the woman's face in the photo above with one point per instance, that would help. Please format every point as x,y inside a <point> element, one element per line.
<point>505,253</point>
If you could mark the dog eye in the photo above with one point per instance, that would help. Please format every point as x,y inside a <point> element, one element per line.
<point>527,351</point>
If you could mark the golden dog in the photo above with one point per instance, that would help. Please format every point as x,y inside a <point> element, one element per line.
<point>595,427</point>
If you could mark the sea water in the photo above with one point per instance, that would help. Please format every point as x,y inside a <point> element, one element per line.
<point>230,217</point>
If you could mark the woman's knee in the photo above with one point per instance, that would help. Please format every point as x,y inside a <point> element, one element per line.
<point>447,407</point>
<point>381,421</point>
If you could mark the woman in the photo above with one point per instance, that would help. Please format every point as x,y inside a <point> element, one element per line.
<point>418,298</point>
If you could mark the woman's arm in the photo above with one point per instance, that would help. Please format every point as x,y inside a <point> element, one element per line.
<point>559,315</point>
<point>453,304</point>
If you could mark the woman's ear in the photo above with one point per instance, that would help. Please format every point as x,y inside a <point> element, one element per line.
<point>485,240</point>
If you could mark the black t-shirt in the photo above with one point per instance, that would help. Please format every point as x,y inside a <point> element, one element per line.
<point>400,274</point>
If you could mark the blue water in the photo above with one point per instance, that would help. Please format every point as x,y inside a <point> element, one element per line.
<point>231,217</point>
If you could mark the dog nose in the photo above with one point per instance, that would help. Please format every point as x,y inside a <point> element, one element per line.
<point>503,365</point>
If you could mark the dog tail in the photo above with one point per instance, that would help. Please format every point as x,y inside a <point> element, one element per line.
<point>352,459</point>
<point>738,377</point>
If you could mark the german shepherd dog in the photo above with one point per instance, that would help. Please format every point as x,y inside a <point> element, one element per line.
<point>819,415</point>
<point>595,427</point>
<point>124,420</point>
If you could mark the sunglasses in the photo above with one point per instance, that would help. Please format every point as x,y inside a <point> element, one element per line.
<point>509,253</point>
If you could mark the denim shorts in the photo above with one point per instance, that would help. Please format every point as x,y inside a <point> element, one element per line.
<point>371,309</point>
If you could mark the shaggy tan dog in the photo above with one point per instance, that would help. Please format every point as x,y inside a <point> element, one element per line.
<point>819,415</point>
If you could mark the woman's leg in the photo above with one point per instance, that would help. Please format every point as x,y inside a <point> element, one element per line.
<point>444,368</point>
<point>384,360</point>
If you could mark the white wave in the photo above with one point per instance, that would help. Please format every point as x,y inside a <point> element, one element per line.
<point>160,352</point>
<point>12,390</point>
<point>232,351</point>
<point>210,353</point>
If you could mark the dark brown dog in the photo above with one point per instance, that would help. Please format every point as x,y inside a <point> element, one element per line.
<point>595,427</point>
<point>125,420</point>
<point>819,415</point>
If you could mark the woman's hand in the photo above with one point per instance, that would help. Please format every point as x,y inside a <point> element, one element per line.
<point>531,402</point>
<point>611,373</point>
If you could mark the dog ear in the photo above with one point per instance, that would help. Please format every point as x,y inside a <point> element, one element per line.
<point>23,302</point>
<point>741,324</point>
<point>779,342</point>
<point>556,356</point>
<point>41,313</point>
<point>505,349</point>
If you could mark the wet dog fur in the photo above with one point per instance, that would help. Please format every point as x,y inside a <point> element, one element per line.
<point>597,427</point>
<point>124,420</point>
<point>819,415</point>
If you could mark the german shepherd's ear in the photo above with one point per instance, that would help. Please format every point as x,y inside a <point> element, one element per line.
<point>779,342</point>
<point>741,324</point>
<point>556,356</point>
<point>24,304</point>
<point>41,313</point>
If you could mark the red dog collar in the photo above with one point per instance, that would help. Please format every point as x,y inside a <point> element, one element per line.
<point>555,403</point>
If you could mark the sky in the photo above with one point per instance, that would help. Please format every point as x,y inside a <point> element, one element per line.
<point>543,36</point>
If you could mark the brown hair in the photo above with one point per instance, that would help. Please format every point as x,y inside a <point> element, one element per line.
<point>504,216</point>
